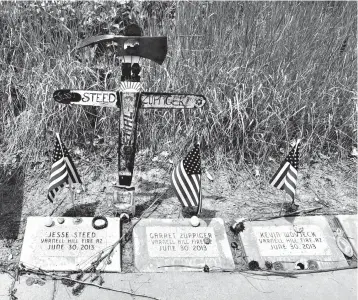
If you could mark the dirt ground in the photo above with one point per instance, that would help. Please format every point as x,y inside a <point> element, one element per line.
<point>232,193</point>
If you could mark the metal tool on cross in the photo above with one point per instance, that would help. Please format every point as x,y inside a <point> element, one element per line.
<point>129,98</point>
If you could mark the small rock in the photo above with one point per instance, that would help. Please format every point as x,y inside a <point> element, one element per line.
<point>155,158</point>
<point>301,264</point>
<point>10,256</point>
<point>209,175</point>
<point>48,222</point>
<point>257,172</point>
<point>194,221</point>
<point>60,220</point>
<point>164,153</point>
<point>354,152</point>
<point>77,221</point>
<point>30,281</point>
<point>207,240</point>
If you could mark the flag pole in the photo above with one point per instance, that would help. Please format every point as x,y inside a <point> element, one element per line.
<point>73,198</point>
<point>283,202</point>
<point>200,200</point>
<point>200,191</point>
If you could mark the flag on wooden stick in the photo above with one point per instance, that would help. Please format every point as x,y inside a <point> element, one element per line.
<point>63,169</point>
<point>186,179</point>
<point>286,176</point>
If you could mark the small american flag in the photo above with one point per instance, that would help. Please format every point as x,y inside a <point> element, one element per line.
<point>63,169</point>
<point>286,176</point>
<point>186,179</point>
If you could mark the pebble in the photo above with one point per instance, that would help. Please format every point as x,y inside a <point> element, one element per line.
<point>207,240</point>
<point>48,222</point>
<point>77,220</point>
<point>30,281</point>
<point>10,257</point>
<point>164,153</point>
<point>60,220</point>
<point>301,264</point>
<point>194,221</point>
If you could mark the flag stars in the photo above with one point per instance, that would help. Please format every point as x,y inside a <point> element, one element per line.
<point>292,157</point>
<point>192,162</point>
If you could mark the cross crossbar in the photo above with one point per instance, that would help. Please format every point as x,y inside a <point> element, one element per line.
<point>113,99</point>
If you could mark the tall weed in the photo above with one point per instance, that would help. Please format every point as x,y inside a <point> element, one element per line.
<point>271,71</point>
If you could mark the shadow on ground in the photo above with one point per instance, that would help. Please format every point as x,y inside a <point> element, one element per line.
<point>11,202</point>
<point>140,208</point>
<point>205,213</point>
<point>82,210</point>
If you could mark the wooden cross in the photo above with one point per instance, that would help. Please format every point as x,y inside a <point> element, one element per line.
<point>129,98</point>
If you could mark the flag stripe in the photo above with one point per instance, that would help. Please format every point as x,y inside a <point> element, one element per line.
<point>188,182</point>
<point>58,181</point>
<point>72,172</point>
<point>58,170</point>
<point>291,180</point>
<point>177,189</point>
<point>53,193</point>
<point>186,197</point>
<point>196,182</point>
<point>55,164</point>
<point>290,190</point>
<point>280,175</point>
<point>59,174</point>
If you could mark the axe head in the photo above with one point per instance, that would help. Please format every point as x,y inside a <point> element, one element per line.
<point>153,48</point>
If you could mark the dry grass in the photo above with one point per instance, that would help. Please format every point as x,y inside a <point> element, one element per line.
<point>270,71</point>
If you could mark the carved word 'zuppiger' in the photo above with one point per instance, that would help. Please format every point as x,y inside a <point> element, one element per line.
<point>111,99</point>
<point>179,235</point>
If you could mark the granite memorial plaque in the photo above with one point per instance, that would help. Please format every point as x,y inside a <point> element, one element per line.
<point>175,245</point>
<point>68,245</point>
<point>349,223</point>
<point>286,241</point>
